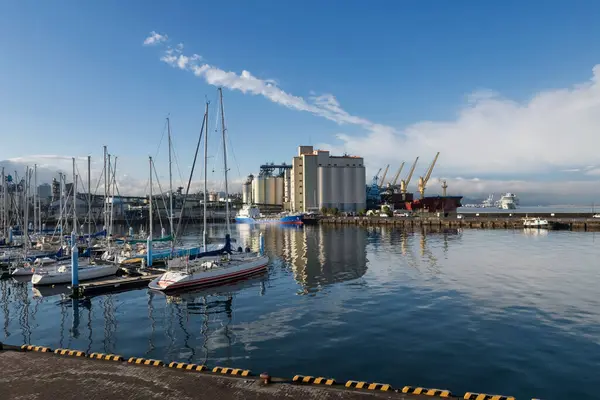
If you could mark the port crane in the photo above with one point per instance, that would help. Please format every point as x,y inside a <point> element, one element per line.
<point>444,187</point>
<point>423,180</point>
<point>404,182</point>
<point>384,175</point>
<point>397,174</point>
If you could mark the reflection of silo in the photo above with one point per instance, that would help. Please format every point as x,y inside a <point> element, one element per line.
<point>336,187</point>
<point>348,189</point>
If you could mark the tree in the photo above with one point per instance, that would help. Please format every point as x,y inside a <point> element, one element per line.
<point>324,210</point>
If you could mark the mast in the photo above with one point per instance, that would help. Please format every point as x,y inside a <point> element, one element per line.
<point>170,180</point>
<point>89,218</point>
<point>4,227</point>
<point>25,211</point>
<point>74,200</point>
<point>108,208</point>
<point>205,178</point>
<point>225,162</point>
<point>150,203</point>
<point>60,206</point>
<point>35,216</point>
<point>105,189</point>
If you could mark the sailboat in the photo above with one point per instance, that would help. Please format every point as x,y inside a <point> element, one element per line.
<point>217,267</point>
<point>62,273</point>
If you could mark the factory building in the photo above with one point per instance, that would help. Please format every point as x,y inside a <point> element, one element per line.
<point>268,190</point>
<point>319,180</point>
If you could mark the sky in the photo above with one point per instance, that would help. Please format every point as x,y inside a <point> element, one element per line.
<point>508,92</point>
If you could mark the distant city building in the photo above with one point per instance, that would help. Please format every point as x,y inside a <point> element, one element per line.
<point>45,192</point>
<point>319,180</point>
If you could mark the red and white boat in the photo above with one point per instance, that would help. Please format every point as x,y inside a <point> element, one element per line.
<point>207,271</point>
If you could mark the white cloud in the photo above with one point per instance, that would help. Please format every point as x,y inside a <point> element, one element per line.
<point>155,38</point>
<point>554,130</point>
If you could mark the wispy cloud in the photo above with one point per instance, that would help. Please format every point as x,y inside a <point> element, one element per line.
<point>552,131</point>
<point>155,38</point>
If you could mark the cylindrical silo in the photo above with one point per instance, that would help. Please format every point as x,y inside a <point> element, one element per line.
<point>337,178</point>
<point>348,189</point>
<point>322,188</point>
<point>279,189</point>
<point>360,196</point>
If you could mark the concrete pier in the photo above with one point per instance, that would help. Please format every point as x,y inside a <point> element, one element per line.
<point>39,375</point>
<point>467,222</point>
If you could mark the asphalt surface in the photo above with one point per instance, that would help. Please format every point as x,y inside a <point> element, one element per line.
<point>41,376</point>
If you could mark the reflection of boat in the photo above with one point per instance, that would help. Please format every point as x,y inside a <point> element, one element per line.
<point>50,290</point>
<point>535,232</point>
<point>191,296</point>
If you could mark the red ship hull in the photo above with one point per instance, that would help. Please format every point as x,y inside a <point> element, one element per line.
<point>437,204</point>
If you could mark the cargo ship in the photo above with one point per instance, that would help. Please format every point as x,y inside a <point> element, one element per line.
<point>445,205</point>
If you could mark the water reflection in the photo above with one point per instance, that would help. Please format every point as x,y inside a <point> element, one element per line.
<point>320,255</point>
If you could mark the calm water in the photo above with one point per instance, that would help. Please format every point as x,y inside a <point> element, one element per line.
<point>494,311</point>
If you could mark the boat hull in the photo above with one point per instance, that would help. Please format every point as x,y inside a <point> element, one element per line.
<point>85,274</point>
<point>287,220</point>
<point>171,281</point>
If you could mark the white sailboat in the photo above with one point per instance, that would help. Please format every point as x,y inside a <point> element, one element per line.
<point>62,273</point>
<point>216,267</point>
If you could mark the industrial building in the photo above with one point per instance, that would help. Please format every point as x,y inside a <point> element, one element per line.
<point>319,180</point>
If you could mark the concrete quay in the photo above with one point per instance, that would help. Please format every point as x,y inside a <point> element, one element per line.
<point>468,222</point>
<point>41,373</point>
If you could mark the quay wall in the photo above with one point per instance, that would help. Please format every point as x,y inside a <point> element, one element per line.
<point>467,222</point>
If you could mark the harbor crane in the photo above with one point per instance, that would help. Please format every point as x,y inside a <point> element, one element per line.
<point>384,175</point>
<point>423,180</point>
<point>404,182</point>
<point>444,187</point>
<point>397,174</point>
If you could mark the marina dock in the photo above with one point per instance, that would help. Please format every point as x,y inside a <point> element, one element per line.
<point>72,374</point>
<point>115,285</point>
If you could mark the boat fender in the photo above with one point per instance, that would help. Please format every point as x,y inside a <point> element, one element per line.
<point>239,249</point>
<point>247,249</point>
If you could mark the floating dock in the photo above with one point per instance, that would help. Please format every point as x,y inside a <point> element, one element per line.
<point>115,285</point>
<point>43,373</point>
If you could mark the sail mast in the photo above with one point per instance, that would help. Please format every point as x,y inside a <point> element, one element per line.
<point>89,200</point>
<point>105,189</point>
<point>74,200</point>
<point>170,179</point>
<point>150,202</point>
<point>225,162</point>
<point>4,228</point>
<point>35,215</point>
<point>205,194</point>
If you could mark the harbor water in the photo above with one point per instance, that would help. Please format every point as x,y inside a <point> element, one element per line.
<point>497,311</point>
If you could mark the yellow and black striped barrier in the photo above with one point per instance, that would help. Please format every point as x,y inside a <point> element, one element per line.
<point>312,379</point>
<point>427,392</point>
<point>67,352</point>
<point>107,357</point>
<point>231,371</point>
<point>483,396</point>
<point>145,361</point>
<point>370,386</point>
<point>187,367</point>
<point>42,349</point>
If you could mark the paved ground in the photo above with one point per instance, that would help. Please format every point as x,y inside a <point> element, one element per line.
<point>40,376</point>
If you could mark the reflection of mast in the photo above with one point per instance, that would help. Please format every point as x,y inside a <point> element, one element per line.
<point>24,317</point>
<point>110,324</point>
<point>186,333</point>
<point>89,324</point>
<point>5,289</point>
<point>152,321</point>
<point>204,331</point>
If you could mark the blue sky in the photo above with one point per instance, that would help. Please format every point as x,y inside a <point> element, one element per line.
<point>486,84</point>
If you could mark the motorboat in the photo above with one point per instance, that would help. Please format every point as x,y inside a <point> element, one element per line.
<point>536,222</point>
<point>62,273</point>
